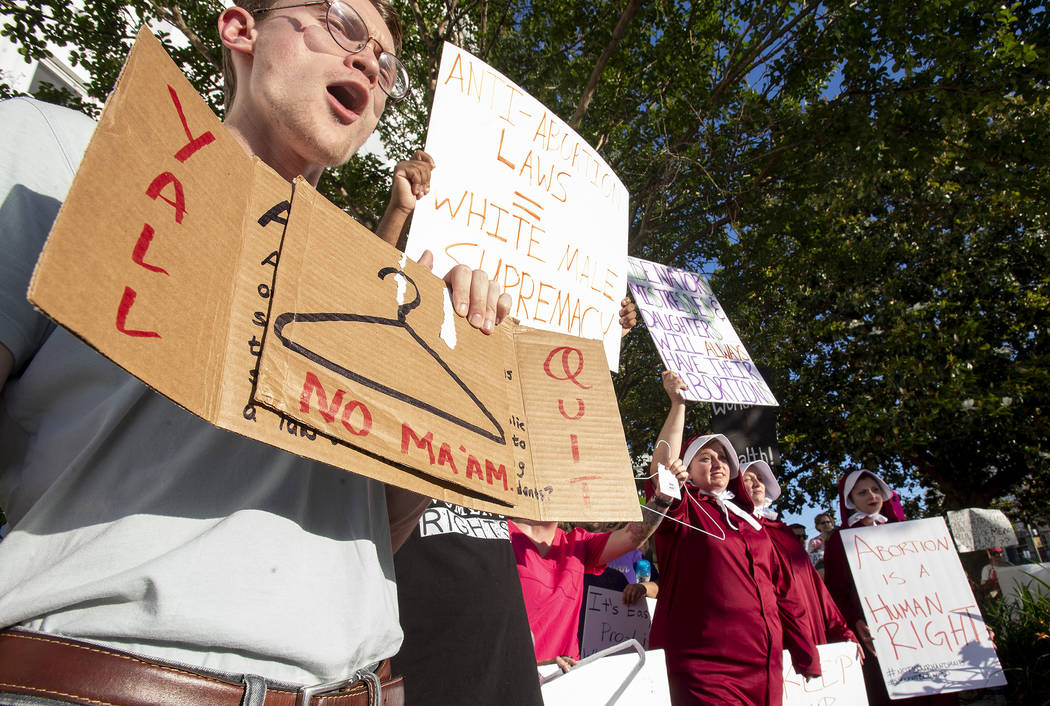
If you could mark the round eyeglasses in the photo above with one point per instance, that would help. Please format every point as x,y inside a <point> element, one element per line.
<point>350,32</point>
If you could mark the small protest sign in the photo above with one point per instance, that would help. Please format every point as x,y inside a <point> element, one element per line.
<point>1013,580</point>
<point>841,680</point>
<point>608,621</point>
<point>929,634</point>
<point>694,336</point>
<point>977,528</point>
<point>519,194</point>
<point>752,430</point>
<point>190,265</point>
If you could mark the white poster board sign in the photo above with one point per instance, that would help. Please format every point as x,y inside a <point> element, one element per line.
<point>1035,576</point>
<point>694,336</point>
<point>977,528</point>
<point>517,193</point>
<point>841,680</point>
<point>607,621</point>
<point>929,635</point>
<point>598,682</point>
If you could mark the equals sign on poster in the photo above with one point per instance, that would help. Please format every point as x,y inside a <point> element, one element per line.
<point>532,208</point>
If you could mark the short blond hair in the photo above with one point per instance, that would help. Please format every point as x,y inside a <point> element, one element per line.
<point>229,77</point>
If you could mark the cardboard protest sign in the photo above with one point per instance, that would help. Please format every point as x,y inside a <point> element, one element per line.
<point>519,194</point>
<point>981,528</point>
<point>376,358</point>
<point>607,621</point>
<point>166,257</point>
<point>841,680</point>
<point>929,634</point>
<point>694,336</point>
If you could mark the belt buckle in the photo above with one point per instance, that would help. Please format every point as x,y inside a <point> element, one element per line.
<point>306,693</point>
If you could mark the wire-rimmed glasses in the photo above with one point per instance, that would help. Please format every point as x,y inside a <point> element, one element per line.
<point>350,32</point>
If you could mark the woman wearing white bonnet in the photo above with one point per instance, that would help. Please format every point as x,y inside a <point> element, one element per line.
<point>822,620</point>
<point>863,502</point>
<point>863,494</point>
<point>724,605</point>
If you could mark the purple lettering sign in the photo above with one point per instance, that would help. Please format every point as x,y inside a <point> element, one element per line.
<point>694,336</point>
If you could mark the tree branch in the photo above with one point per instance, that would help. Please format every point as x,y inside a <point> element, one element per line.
<point>603,60</point>
<point>173,14</point>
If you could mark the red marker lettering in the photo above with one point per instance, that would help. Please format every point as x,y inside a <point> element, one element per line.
<point>571,372</point>
<point>162,180</point>
<point>141,246</point>
<point>126,302</point>
<point>313,385</point>
<point>426,442</point>
<point>582,480</point>
<point>579,409</point>
<point>195,143</point>
<point>366,417</point>
<point>474,468</point>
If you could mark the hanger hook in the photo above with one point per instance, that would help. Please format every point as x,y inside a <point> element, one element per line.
<point>402,310</point>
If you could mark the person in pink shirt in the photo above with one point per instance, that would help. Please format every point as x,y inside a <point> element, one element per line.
<point>551,564</point>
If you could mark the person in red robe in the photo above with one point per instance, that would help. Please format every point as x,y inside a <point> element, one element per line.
<point>823,621</point>
<point>865,500</point>
<point>725,604</point>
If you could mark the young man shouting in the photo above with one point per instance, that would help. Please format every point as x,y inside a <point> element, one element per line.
<point>154,558</point>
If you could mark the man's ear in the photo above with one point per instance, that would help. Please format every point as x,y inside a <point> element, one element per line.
<point>237,29</point>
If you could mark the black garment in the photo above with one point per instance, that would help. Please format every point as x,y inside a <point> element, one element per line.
<point>467,638</point>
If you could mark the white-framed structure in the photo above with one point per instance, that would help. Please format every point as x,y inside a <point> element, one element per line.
<point>27,77</point>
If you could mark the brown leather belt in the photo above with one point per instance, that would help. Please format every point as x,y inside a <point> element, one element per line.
<point>78,672</point>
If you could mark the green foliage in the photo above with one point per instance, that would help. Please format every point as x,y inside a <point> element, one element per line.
<point>100,34</point>
<point>896,280</point>
<point>1022,641</point>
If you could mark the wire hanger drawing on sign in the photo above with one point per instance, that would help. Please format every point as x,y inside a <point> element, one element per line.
<point>495,434</point>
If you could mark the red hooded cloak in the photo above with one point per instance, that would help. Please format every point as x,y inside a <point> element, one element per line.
<point>839,579</point>
<point>725,609</point>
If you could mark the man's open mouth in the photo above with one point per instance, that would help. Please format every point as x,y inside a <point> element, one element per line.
<point>351,97</point>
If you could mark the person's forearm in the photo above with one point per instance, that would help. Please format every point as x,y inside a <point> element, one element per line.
<point>651,517</point>
<point>634,534</point>
<point>669,443</point>
<point>392,224</point>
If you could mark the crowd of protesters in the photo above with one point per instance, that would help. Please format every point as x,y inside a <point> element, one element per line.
<point>737,586</point>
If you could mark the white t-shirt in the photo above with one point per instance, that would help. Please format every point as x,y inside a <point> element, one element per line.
<point>134,523</point>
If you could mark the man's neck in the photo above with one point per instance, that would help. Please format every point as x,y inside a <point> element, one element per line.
<point>256,141</point>
<point>541,533</point>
